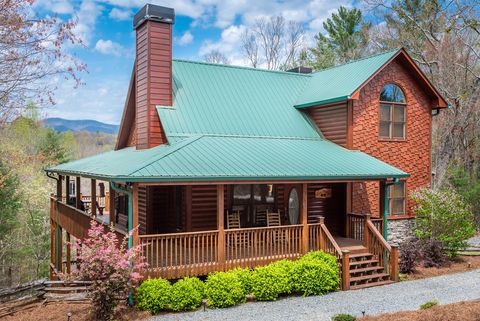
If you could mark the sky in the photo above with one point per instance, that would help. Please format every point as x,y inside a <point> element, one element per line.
<point>105,28</point>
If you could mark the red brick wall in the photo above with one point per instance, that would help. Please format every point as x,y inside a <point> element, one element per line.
<point>411,155</point>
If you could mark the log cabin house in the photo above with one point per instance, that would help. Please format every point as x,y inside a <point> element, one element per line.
<point>222,166</point>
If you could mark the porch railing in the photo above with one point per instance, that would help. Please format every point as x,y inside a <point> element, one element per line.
<point>356,224</point>
<point>180,254</point>
<point>386,254</point>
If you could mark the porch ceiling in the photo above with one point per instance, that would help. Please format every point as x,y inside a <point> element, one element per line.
<point>233,158</point>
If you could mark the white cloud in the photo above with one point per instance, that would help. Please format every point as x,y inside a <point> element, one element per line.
<point>119,14</point>
<point>86,19</point>
<point>185,39</point>
<point>108,47</point>
<point>56,6</point>
<point>229,44</point>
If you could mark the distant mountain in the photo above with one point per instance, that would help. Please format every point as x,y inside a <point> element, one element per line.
<point>87,125</point>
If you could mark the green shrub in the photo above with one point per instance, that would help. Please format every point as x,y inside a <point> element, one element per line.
<point>224,289</point>
<point>270,281</point>
<point>322,257</point>
<point>245,277</point>
<point>187,294</point>
<point>343,317</point>
<point>429,304</point>
<point>443,216</point>
<point>153,295</point>
<point>315,277</point>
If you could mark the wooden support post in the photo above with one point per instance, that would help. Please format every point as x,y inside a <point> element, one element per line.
<point>221,225</point>
<point>69,254</point>
<point>345,270</point>
<point>321,241</point>
<point>67,189</point>
<point>111,208</point>
<point>78,192</point>
<point>188,214</point>
<point>394,263</point>
<point>52,247</point>
<point>366,219</point>
<point>60,249</point>
<point>93,194</point>
<point>304,209</point>
<point>135,214</point>
<point>59,188</point>
<point>348,190</point>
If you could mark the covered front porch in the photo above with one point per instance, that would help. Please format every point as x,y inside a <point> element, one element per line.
<point>196,229</point>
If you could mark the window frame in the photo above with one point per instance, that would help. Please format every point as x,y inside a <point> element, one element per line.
<point>391,198</point>
<point>391,122</point>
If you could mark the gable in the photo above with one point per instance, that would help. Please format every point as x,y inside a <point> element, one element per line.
<point>127,123</point>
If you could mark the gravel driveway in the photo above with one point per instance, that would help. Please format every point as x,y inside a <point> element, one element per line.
<point>390,298</point>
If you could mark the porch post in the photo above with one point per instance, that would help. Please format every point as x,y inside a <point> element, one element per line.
<point>111,208</point>
<point>220,225</point>
<point>59,188</point>
<point>135,214</point>
<point>69,256</point>
<point>345,270</point>
<point>93,196</point>
<point>304,218</point>
<point>78,193</point>
<point>385,210</point>
<point>67,189</point>
<point>394,263</point>
<point>366,219</point>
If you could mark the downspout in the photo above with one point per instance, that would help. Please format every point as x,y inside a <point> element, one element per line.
<point>57,230</point>
<point>385,207</point>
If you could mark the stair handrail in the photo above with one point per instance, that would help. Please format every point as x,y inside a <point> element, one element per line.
<point>390,252</point>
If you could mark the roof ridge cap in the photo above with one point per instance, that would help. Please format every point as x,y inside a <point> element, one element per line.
<point>241,67</point>
<point>357,60</point>
<point>254,136</point>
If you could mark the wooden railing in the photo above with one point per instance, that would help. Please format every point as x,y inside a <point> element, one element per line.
<point>386,254</point>
<point>180,254</point>
<point>356,225</point>
<point>249,247</point>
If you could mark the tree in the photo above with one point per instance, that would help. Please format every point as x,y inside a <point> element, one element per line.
<point>216,57</point>
<point>31,53</point>
<point>52,148</point>
<point>273,43</point>
<point>443,38</point>
<point>346,39</point>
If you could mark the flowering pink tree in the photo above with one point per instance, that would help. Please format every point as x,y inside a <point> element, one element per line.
<point>110,265</point>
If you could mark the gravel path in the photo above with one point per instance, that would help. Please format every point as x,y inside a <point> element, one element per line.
<point>474,243</point>
<point>400,296</point>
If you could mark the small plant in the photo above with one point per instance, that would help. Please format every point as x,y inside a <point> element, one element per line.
<point>110,265</point>
<point>224,289</point>
<point>409,256</point>
<point>270,281</point>
<point>316,273</point>
<point>153,295</point>
<point>186,294</point>
<point>428,304</point>
<point>432,253</point>
<point>343,317</point>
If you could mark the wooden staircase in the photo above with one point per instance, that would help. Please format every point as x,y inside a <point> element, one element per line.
<point>366,271</point>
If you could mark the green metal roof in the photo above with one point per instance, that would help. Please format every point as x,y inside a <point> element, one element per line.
<point>236,123</point>
<point>214,158</point>
<point>338,83</point>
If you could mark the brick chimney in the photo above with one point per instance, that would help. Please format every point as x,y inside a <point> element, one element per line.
<point>153,26</point>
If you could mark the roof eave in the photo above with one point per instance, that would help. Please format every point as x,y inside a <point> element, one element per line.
<point>323,102</point>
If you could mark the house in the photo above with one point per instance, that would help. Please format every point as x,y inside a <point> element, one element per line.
<point>224,166</point>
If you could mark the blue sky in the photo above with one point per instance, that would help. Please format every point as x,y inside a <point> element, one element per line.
<point>105,27</point>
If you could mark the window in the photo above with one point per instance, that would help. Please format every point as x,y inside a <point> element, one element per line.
<point>392,112</point>
<point>256,194</point>
<point>71,188</point>
<point>396,199</point>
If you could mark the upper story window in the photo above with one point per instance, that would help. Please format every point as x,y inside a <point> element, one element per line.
<point>392,112</point>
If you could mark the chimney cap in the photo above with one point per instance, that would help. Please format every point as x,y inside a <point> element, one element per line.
<point>154,13</point>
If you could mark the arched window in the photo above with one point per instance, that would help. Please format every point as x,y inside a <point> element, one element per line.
<point>392,112</point>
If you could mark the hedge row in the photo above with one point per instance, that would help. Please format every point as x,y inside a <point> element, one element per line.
<point>313,274</point>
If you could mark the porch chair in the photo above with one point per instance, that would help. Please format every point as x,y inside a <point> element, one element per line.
<point>236,242</point>
<point>233,220</point>
<point>273,218</point>
<point>261,215</point>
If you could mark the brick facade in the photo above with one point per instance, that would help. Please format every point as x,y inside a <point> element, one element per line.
<point>411,155</point>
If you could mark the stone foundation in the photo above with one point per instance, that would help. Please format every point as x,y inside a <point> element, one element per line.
<point>400,230</point>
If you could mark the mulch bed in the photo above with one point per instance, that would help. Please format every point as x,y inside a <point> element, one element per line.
<point>58,311</point>
<point>459,264</point>
<point>463,311</point>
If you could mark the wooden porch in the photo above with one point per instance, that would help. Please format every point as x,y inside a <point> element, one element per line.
<point>361,251</point>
